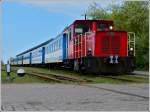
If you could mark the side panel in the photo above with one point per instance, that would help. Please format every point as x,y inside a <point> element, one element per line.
<point>70,50</point>
<point>26,58</point>
<point>37,56</point>
<point>19,58</point>
<point>54,50</point>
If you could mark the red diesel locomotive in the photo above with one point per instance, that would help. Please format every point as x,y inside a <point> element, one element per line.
<point>94,46</point>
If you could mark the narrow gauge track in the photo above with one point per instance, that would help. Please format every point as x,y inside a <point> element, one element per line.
<point>59,78</point>
<point>138,75</point>
<point>62,77</point>
<point>56,77</point>
<point>73,79</point>
<point>44,77</point>
<point>116,91</point>
<point>120,79</point>
<point>90,86</point>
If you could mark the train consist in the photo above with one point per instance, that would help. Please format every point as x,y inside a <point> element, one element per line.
<point>87,46</point>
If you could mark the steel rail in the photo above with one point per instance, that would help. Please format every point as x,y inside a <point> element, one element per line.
<point>59,78</point>
<point>121,79</point>
<point>101,88</point>
<point>115,91</point>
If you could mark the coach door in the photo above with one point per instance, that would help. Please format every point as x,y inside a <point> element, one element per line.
<point>43,54</point>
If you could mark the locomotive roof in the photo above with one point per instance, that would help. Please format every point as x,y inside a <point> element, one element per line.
<point>44,43</point>
<point>90,21</point>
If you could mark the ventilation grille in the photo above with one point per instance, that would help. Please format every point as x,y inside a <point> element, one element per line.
<point>110,45</point>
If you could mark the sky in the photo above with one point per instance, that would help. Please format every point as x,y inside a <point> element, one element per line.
<point>27,23</point>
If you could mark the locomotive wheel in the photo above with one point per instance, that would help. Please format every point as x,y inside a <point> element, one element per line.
<point>76,65</point>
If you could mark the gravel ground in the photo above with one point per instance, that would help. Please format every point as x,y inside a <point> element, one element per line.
<point>34,97</point>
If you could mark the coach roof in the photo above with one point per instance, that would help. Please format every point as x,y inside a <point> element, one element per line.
<point>44,43</point>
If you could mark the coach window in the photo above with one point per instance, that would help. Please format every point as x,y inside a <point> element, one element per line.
<point>50,48</point>
<point>47,49</point>
<point>57,44</point>
<point>53,47</point>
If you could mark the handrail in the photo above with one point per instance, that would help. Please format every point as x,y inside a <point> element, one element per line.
<point>131,42</point>
<point>86,41</point>
<point>81,45</point>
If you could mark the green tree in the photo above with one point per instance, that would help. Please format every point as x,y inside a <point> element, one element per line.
<point>96,12</point>
<point>131,16</point>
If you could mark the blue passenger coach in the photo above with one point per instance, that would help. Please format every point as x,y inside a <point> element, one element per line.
<point>55,51</point>
<point>26,58</point>
<point>37,56</point>
<point>51,51</point>
<point>20,59</point>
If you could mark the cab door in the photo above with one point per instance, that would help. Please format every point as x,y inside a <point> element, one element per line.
<point>70,54</point>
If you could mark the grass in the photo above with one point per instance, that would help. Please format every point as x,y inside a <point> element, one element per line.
<point>93,78</point>
<point>16,79</point>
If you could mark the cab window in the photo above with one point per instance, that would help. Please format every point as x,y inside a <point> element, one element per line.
<point>81,28</point>
<point>102,27</point>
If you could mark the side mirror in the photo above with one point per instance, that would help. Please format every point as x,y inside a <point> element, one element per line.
<point>21,72</point>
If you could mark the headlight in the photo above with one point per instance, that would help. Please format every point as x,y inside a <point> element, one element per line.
<point>89,49</point>
<point>131,49</point>
<point>110,27</point>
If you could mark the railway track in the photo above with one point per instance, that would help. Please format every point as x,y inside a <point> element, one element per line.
<point>45,77</point>
<point>116,91</point>
<point>139,75</point>
<point>59,78</point>
<point>74,79</point>
<point>120,79</point>
<point>56,77</point>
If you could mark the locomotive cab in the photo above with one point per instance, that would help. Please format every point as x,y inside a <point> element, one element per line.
<point>97,47</point>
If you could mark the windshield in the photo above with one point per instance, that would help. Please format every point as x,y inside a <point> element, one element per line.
<point>103,27</point>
